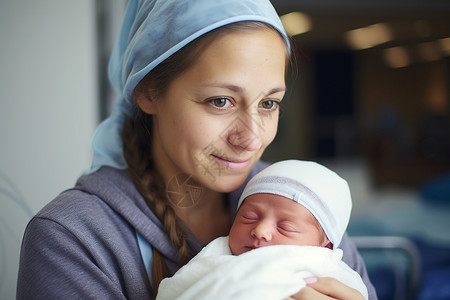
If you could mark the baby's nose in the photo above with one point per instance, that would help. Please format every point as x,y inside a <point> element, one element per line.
<point>263,231</point>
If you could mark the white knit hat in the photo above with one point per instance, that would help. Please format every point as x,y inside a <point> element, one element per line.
<point>317,188</point>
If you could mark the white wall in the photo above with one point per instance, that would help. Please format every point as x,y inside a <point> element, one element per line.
<point>48,111</point>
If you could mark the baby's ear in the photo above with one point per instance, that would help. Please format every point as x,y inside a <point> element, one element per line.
<point>327,244</point>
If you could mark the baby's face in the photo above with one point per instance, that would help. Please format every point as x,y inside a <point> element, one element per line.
<point>268,219</point>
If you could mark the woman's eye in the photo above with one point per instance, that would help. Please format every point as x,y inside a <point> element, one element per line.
<point>220,103</point>
<point>269,104</point>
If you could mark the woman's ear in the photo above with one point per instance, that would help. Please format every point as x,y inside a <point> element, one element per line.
<point>145,102</point>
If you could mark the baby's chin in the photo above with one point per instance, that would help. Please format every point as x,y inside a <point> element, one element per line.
<point>241,250</point>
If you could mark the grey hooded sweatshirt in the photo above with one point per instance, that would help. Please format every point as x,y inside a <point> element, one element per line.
<point>83,244</point>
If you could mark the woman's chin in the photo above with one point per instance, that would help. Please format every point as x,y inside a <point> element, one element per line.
<point>225,183</point>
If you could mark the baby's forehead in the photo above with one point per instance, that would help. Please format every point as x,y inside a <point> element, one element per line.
<point>267,196</point>
<point>282,205</point>
<point>269,200</point>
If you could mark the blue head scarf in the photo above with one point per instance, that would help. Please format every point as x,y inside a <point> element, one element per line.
<point>152,30</point>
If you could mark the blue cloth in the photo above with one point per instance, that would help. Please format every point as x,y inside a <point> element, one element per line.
<point>146,251</point>
<point>151,32</point>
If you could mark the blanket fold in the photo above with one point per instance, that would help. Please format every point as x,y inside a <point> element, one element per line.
<point>272,272</point>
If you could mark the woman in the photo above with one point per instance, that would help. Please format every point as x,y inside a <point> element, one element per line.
<point>200,83</point>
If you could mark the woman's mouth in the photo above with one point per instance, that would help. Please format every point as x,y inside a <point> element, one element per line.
<point>232,163</point>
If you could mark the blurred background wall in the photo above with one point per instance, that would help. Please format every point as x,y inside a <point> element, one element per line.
<point>370,100</point>
<point>48,111</point>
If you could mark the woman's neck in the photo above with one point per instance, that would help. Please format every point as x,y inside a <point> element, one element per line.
<point>203,211</point>
<point>209,215</point>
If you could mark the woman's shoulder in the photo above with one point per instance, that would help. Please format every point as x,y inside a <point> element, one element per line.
<point>100,198</point>
<point>99,235</point>
<point>78,200</point>
<point>71,205</point>
<point>101,205</point>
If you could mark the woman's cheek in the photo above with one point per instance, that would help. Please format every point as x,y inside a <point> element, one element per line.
<point>270,132</point>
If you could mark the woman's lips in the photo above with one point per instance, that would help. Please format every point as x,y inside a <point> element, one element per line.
<point>233,164</point>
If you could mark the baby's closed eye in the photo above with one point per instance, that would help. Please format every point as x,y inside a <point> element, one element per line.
<point>288,227</point>
<point>249,217</point>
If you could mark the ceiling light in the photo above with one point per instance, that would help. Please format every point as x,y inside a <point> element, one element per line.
<point>429,51</point>
<point>369,36</point>
<point>296,23</point>
<point>397,57</point>
<point>445,45</point>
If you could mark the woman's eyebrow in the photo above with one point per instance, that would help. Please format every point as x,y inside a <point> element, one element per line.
<point>276,90</point>
<point>228,86</point>
<point>238,89</point>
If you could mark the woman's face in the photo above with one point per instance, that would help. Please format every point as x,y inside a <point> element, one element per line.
<point>217,117</point>
<point>269,219</point>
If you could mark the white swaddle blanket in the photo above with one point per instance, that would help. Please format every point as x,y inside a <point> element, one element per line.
<point>272,272</point>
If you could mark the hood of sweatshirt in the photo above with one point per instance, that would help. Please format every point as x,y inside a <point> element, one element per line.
<point>117,190</point>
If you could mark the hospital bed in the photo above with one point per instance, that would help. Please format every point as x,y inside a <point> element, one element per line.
<point>404,238</point>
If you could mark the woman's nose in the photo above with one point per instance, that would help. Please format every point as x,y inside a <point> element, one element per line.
<point>262,231</point>
<point>243,134</point>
